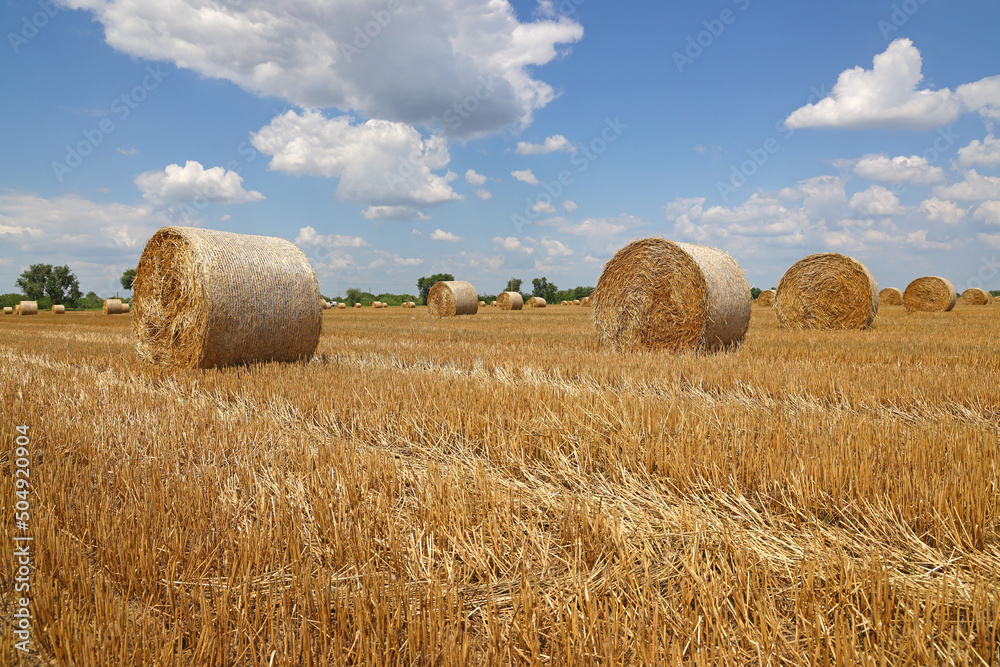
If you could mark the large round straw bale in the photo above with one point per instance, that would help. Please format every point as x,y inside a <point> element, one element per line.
<point>113,307</point>
<point>975,296</point>
<point>126,307</point>
<point>585,301</point>
<point>7,310</point>
<point>659,294</point>
<point>482,304</point>
<point>765,299</point>
<point>929,293</point>
<point>536,302</point>
<point>452,297</point>
<point>58,309</point>
<point>510,301</point>
<point>576,302</point>
<point>341,306</point>
<point>826,291</point>
<point>28,308</point>
<point>890,296</point>
<point>206,298</point>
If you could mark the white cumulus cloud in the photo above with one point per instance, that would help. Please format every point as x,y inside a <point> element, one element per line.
<point>942,210</point>
<point>876,200</point>
<point>525,176</point>
<point>543,207</point>
<point>474,178</point>
<point>308,236</point>
<point>985,153</point>
<point>193,183</point>
<point>914,169</point>
<point>556,142</point>
<point>441,235</point>
<point>484,194</point>
<point>569,205</point>
<point>974,187</point>
<point>988,212</point>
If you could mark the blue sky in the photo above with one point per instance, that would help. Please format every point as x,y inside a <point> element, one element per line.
<point>392,139</point>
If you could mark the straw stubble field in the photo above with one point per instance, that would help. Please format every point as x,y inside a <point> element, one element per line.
<point>472,491</point>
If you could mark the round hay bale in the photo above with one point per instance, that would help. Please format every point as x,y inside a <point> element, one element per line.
<point>932,294</point>
<point>58,310</point>
<point>660,294</point>
<point>585,302</point>
<point>975,296</point>
<point>28,308</point>
<point>374,304</point>
<point>482,304</point>
<point>765,299</point>
<point>493,303</point>
<point>341,306</point>
<point>510,301</point>
<point>17,309</point>
<point>452,297</point>
<point>7,310</point>
<point>563,303</point>
<point>206,299</point>
<point>126,307</point>
<point>890,296</point>
<point>826,291</point>
<point>357,305</point>
<point>112,307</point>
<point>326,304</point>
<point>536,302</point>
<point>576,302</point>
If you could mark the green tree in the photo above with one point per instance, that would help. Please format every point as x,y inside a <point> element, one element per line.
<point>127,278</point>
<point>513,285</point>
<point>425,284</point>
<point>57,282</point>
<point>755,292</point>
<point>545,289</point>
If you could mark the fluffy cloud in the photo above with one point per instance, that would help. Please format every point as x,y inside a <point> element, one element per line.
<point>512,243</point>
<point>973,188</point>
<point>985,153</point>
<point>309,237</point>
<point>942,210</point>
<point>484,194</point>
<point>988,212</point>
<point>525,176</point>
<point>378,162</point>
<point>543,207</point>
<point>556,142</point>
<point>982,96</point>
<point>414,65</point>
<point>554,248</point>
<point>392,213</point>
<point>473,178</point>
<point>886,96</point>
<point>441,235</point>
<point>914,169</point>
<point>876,200</point>
<point>569,205</point>
<point>193,183</point>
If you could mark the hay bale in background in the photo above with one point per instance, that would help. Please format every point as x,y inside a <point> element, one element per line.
<point>205,298</point>
<point>112,307</point>
<point>357,305</point>
<point>765,299</point>
<point>452,297</point>
<point>563,303</point>
<point>326,304</point>
<point>660,294</point>
<point>126,308</point>
<point>576,302</point>
<point>17,309</point>
<point>536,302</point>
<point>510,301</point>
<point>493,303</point>
<point>826,291</point>
<point>7,310</point>
<point>932,294</point>
<point>890,296</point>
<point>341,306</point>
<point>376,304</point>
<point>975,296</point>
<point>482,304</point>
<point>27,308</point>
<point>58,310</point>
<point>585,301</point>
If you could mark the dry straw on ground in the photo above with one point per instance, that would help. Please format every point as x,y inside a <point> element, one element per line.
<point>510,301</point>
<point>28,308</point>
<point>765,299</point>
<point>452,297</point>
<point>206,298</point>
<point>659,294</point>
<point>536,302</point>
<point>890,296</point>
<point>827,291</point>
<point>8,310</point>
<point>113,307</point>
<point>975,296</point>
<point>929,294</point>
<point>58,309</point>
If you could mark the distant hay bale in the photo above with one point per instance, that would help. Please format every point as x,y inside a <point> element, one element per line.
<point>126,308</point>
<point>28,308</point>
<point>765,299</point>
<point>7,310</point>
<point>890,296</point>
<point>563,303</point>
<point>826,291</point>
<point>326,304</point>
<point>493,303</point>
<point>113,307</point>
<point>376,304</point>
<point>58,310</point>
<point>585,301</point>
<point>536,302</point>
<point>510,301</point>
<point>17,309</point>
<point>482,304</point>
<point>931,294</point>
<point>975,296</point>
<point>576,302</point>
<point>341,306</point>
<point>660,294</point>
<point>413,304</point>
<point>207,299</point>
<point>448,298</point>
<point>357,305</point>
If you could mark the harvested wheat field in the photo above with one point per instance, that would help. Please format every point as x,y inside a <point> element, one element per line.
<point>428,491</point>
